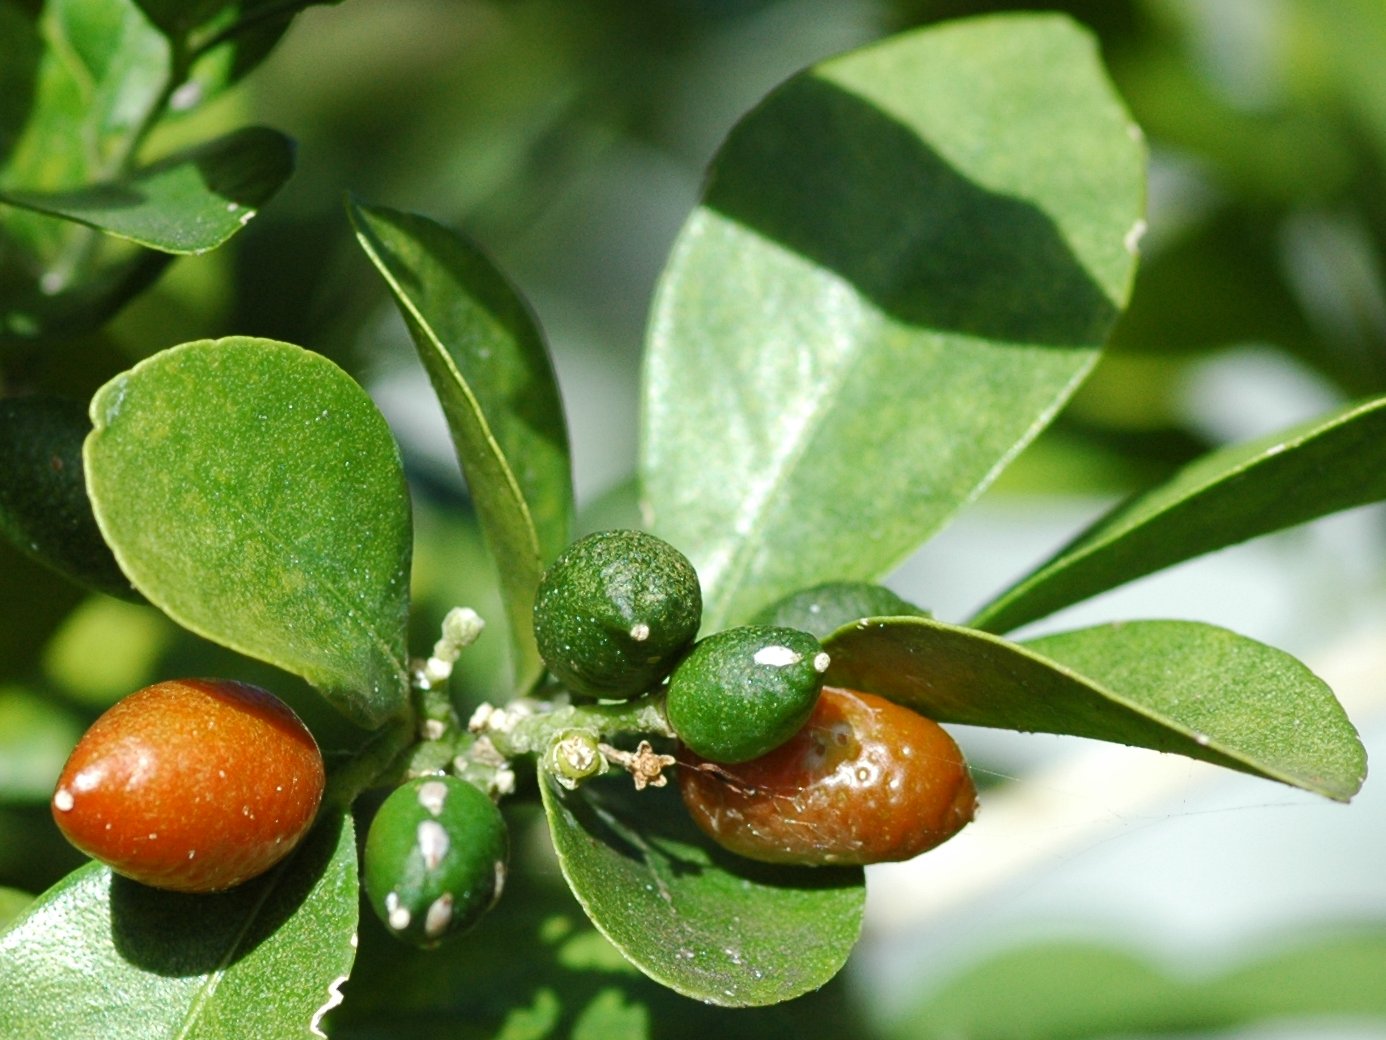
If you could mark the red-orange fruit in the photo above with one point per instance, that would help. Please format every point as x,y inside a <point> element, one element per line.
<point>864,781</point>
<point>194,785</point>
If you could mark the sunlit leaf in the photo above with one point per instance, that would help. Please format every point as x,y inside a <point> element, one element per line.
<point>702,921</point>
<point>252,491</point>
<point>904,262</point>
<point>100,956</point>
<point>489,366</point>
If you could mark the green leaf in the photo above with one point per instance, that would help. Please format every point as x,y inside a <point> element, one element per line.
<point>100,956</point>
<point>252,491</point>
<point>44,508</point>
<point>905,261</point>
<point>703,922</point>
<point>1175,686</point>
<point>1335,462</point>
<point>489,366</point>
<point>36,736</point>
<point>188,203</point>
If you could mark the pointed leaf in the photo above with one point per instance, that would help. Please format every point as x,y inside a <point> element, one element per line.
<point>100,956</point>
<point>905,261</point>
<point>490,369</point>
<point>1175,686</point>
<point>44,508</point>
<point>706,923</point>
<point>1244,490</point>
<point>252,491</point>
<point>188,203</point>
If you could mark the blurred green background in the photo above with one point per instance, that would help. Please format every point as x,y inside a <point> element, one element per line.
<point>569,139</point>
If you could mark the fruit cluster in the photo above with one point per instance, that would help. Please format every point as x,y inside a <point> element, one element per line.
<point>199,785</point>
<point>773,765</point>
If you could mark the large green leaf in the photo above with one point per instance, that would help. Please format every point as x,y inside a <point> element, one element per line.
<point>100,956</point>
<point>252,491</point>
<point>702,921</point>
<point>905,261</point>
<point>488,364</point>
<point>1335,462</point>
<point>188,203</point>
<point>44,508</point>
<point>1176,686</point>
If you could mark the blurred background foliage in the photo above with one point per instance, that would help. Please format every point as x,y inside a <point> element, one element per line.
<point>570,139</point>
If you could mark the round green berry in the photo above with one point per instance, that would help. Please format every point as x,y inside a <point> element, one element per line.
<point>745,691</point>
<point>823,609</point>
<point>615,611</point>
<point>435,859</point>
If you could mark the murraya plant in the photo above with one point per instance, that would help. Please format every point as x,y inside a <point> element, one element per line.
<point>903,263</point>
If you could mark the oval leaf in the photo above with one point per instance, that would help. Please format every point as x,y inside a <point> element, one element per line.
<point>253,492</point>
<point>98,955</point>
<point>703,922</point>
<point>491,370</point>
<point>905,261</point>
<point>1176,686</point>
<point>44,508</point>
<point>1244,490</point>
<point>188,203</point>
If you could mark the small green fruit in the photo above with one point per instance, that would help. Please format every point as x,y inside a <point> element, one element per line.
<point>745,691</point>
<point>615,611</point>
<point>823,609</point>
<point>435,859</point>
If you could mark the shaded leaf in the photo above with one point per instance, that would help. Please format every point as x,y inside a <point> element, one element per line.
<point>44,508</point>
<point>100,956</point>
<point>703,922</point>
<point>1175,686</point>
<point>253,493</point>
<point>489,366</point>
<point>904,262</point>
<point>188,203</point>
<point>1332,463</point>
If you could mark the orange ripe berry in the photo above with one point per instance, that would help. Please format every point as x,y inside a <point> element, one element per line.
<point>193,785</point>
<point>864,781</point>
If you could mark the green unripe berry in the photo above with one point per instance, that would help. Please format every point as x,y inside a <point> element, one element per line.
<point>823,609</point>
<point>745,691</point>
<point>615,611</point>
<point>435,859</point>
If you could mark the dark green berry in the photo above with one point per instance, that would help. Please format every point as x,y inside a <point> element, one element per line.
<point>823,609</point>
<point>615,611</point>
<point>435,858</point>
<point>745,691</point>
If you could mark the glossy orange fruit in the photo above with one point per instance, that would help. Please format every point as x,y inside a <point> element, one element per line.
<point>864,781</point>
<point>194,785</point>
